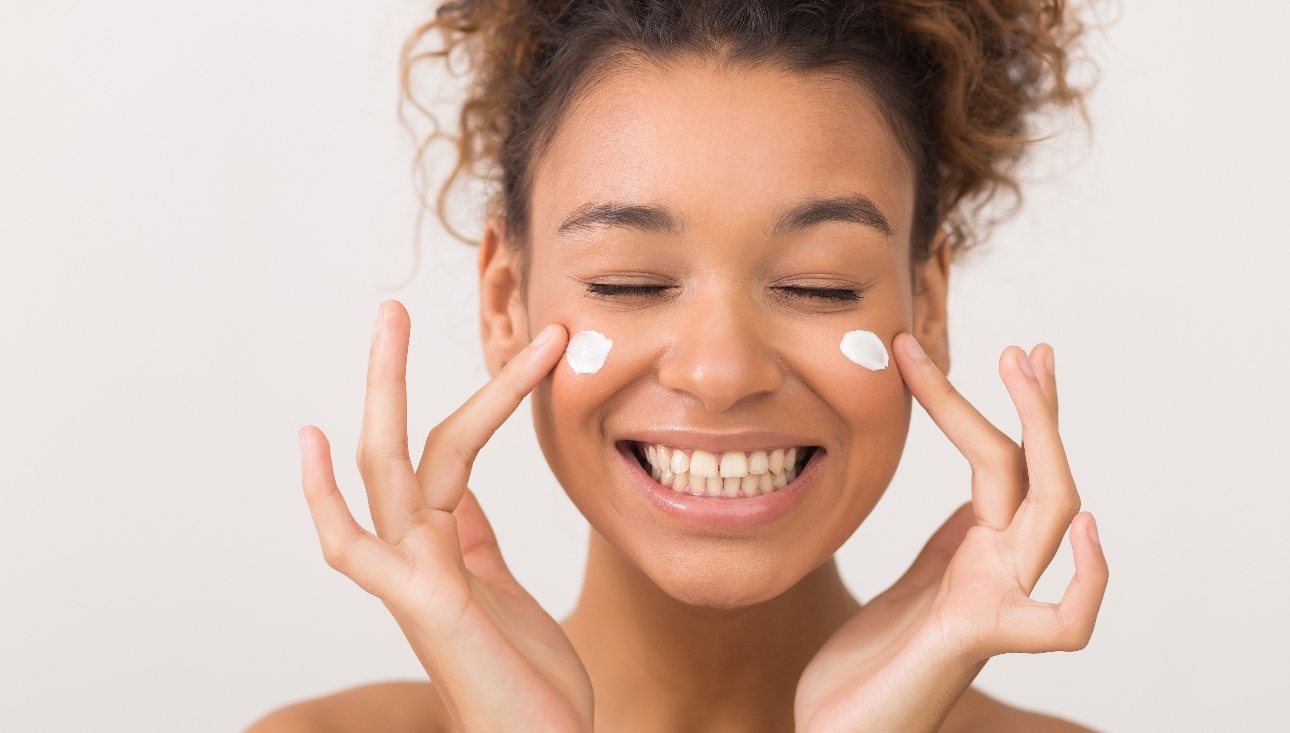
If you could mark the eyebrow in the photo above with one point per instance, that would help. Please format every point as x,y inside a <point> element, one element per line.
<point>654,219</point>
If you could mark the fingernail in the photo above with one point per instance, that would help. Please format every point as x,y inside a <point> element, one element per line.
<point>1048,360</point>
<point>1024,361</point>
<point>1092,530</point>
<point>913,348</point>
<point>545,335</point>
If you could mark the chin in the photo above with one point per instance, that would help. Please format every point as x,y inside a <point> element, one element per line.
<point>718,580</point>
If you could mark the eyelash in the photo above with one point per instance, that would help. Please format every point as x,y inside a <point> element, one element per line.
<point>610,290</point>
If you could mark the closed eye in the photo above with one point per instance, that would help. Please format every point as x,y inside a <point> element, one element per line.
<point>822,293</point>
<point>611,290</point>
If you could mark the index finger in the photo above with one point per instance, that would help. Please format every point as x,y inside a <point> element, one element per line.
<point>997,462</point>
<point>452,445</point>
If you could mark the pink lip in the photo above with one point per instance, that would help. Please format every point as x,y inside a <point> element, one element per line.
<point>722,512</point>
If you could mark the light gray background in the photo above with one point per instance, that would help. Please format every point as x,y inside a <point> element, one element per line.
<point>202,204</point>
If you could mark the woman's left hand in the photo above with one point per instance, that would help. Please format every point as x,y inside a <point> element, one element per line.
<point>900,664</point>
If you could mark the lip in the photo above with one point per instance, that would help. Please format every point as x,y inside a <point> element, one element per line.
<point>722,512</point>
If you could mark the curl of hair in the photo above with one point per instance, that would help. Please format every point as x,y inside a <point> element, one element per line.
<point>963,82</point>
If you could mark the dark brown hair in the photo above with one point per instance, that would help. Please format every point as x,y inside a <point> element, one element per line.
<point>961,82</point>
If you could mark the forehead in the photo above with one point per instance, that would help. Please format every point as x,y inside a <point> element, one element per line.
<point>715,143</point>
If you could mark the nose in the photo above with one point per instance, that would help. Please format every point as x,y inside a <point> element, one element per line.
<point>720,355</point>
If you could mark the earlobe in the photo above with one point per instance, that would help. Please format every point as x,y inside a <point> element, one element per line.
<point>503,326</point>
<point>931,317</point>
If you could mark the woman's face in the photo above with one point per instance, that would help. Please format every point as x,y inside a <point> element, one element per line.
<point>725,317</point>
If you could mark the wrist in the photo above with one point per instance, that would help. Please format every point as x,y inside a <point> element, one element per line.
<point>919,684</point>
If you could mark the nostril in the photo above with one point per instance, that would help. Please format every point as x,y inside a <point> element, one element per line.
<point>720,372</point>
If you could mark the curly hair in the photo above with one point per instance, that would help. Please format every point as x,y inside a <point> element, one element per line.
<point>961,82</point>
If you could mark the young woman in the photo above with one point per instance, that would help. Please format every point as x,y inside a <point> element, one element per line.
<point>743,216</point>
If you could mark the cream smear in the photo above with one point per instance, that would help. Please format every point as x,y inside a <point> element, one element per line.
<point>587,351</point>
<point>865,349</point>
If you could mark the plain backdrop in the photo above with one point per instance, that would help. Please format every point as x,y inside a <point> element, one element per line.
<point>202,205</point>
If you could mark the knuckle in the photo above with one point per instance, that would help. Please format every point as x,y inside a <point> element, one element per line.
<point>451,442</point>
<point>372,457</point>
<point>439,438</point>
<point>464,452</point>
<point>1068,503</point>
<point>1075,637</point>
<point>1064,503</point>
<point>1000,455</point>
<point>438,432</point>
<point>396,450</point>
<point>368,467</point>
<point>335,555</point>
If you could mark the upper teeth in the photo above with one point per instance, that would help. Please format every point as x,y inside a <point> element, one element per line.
<point>730,473</point>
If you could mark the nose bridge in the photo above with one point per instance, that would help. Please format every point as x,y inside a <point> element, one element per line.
<point>719,353</point>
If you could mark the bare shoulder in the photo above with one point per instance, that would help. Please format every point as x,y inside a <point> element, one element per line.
<point>977,712</point>
<point>394,707</point>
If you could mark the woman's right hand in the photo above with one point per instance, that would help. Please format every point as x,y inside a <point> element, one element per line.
<point>498,661</point>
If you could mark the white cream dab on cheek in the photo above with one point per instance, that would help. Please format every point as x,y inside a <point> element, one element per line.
<point>865,349</point>
<point>587,351</point>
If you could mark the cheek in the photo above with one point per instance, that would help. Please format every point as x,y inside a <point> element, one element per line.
<point>603,358</point>
<point>824,355</point>
<point>571,405</point>
<point>823,351</point>
<point>871,406</point>
<point>875,407</point>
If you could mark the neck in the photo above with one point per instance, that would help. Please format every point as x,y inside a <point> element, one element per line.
<point>659,664</point>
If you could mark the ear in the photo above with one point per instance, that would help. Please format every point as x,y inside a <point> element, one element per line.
<point>503,317</point>
<point>931,318</point>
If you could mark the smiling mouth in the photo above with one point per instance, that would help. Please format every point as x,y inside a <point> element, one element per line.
<point>729,474</point>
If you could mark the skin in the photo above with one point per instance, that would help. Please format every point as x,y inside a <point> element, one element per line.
<point>679,627</point>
